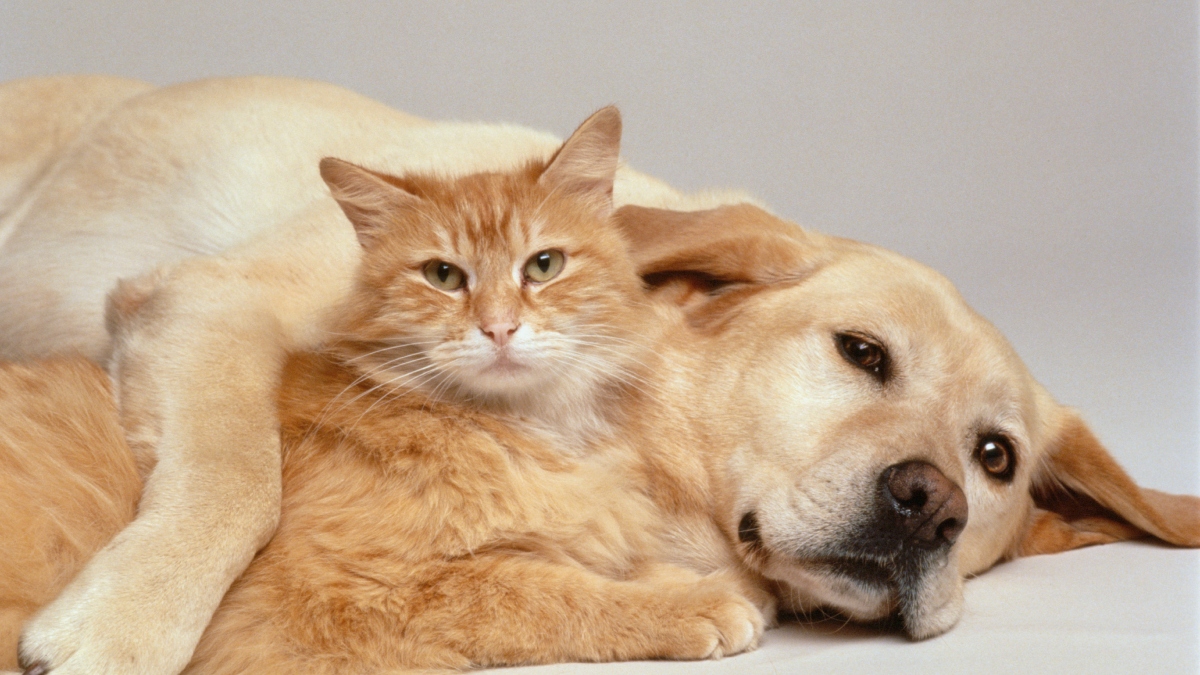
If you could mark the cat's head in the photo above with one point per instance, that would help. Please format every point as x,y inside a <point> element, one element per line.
<point>494,287</point>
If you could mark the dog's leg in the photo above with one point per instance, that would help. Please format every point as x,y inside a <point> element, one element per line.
<point>197,365</point>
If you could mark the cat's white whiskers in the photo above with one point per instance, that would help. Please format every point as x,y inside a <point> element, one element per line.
<point>401,345</point>
<point>605,336</point>
<point>620,355</point>
<point>608,370</point>
<point>398,364</point>
<point>435,397</point>
<point>407,377</point>
<point>370,374</point>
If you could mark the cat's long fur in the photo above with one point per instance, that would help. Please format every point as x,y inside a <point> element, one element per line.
<point>427,535</point>
<point>67,483</point>
<point>431,530</point>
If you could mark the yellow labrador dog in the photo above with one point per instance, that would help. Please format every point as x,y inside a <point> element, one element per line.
<point>853,435</point>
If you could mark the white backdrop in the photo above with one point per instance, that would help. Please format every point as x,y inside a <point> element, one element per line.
<point>1041,154</point>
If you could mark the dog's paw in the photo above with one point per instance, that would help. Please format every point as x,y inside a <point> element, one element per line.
<point>716,621</point>
<point>93,645</point>
<point>75,640</point>
<point>107,623</point>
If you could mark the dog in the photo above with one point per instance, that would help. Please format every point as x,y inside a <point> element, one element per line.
<point>797,404</point>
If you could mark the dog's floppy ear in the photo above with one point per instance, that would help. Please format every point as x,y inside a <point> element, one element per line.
<point>738,243</point>
<point>710,262</point>
<point>1083,497</point>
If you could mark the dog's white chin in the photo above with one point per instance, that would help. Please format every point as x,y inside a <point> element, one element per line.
<point>809,590</point>
<point>928,610</point>
<point>937,605</point>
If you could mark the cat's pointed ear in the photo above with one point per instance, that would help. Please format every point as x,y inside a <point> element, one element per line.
<point>1083,497</point>
<point>369,201</point>
<point>587,163</point>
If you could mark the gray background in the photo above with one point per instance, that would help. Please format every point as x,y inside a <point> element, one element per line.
<point>1041,154</point>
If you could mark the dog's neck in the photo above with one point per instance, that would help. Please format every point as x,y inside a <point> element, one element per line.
<point>677,420</point>
<point>682,441</point>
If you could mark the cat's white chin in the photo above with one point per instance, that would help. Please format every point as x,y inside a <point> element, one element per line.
<point>506,370</point>
<point>502,375</point>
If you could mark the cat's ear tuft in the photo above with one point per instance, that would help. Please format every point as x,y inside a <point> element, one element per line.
<point>587,163</point>
<point>369,201</point>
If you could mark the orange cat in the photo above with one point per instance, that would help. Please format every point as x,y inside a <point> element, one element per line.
<point>442,457</point>
<point>512,292</point>
<point>424,524</point>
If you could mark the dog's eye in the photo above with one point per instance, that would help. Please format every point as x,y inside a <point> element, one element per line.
<point>864,353</point>
<point>444,276</point>
<point>995,454</point>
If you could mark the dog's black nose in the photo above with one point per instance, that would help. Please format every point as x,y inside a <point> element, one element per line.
<point>925,506</point>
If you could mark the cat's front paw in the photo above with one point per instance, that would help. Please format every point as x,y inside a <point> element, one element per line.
<point>716,621</point>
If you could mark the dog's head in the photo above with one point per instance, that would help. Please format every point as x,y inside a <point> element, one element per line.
<point>879,440</point>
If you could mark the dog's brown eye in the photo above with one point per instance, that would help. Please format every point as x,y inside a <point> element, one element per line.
<point>995,455</point>
<point>864,353</point>
<point>444,276</point>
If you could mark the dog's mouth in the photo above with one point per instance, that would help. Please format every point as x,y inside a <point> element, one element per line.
<point>861,582</point>
<point>868,573</point>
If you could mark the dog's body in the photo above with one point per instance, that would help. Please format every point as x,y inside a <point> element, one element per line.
<point>791,443</point>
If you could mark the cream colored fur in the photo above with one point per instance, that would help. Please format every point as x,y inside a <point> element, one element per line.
<point>217,183</point>
<point>217,179</point>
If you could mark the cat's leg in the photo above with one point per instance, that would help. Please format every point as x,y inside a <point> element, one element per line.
<point>487,610</point>
<point>498,610</point>
<point>197,360</point>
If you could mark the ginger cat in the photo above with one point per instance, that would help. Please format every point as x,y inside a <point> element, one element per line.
<point>442,457</point>
<point>511,292</point>
<point>431,518</point>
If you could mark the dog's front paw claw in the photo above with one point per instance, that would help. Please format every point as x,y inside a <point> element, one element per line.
<point>35,668</point>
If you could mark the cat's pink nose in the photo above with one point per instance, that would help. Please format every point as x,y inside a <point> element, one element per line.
<point>500,332</point>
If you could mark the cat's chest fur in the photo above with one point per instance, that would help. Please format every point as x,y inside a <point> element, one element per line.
<point>415,480</point>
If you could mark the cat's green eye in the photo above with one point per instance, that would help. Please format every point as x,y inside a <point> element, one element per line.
<point>545,265</point>
<point>444,276</point>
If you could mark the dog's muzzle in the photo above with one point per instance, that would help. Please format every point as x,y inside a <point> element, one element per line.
<point>917,515</point>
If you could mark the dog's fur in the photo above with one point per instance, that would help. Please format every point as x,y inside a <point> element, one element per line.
<point>767,444</point>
